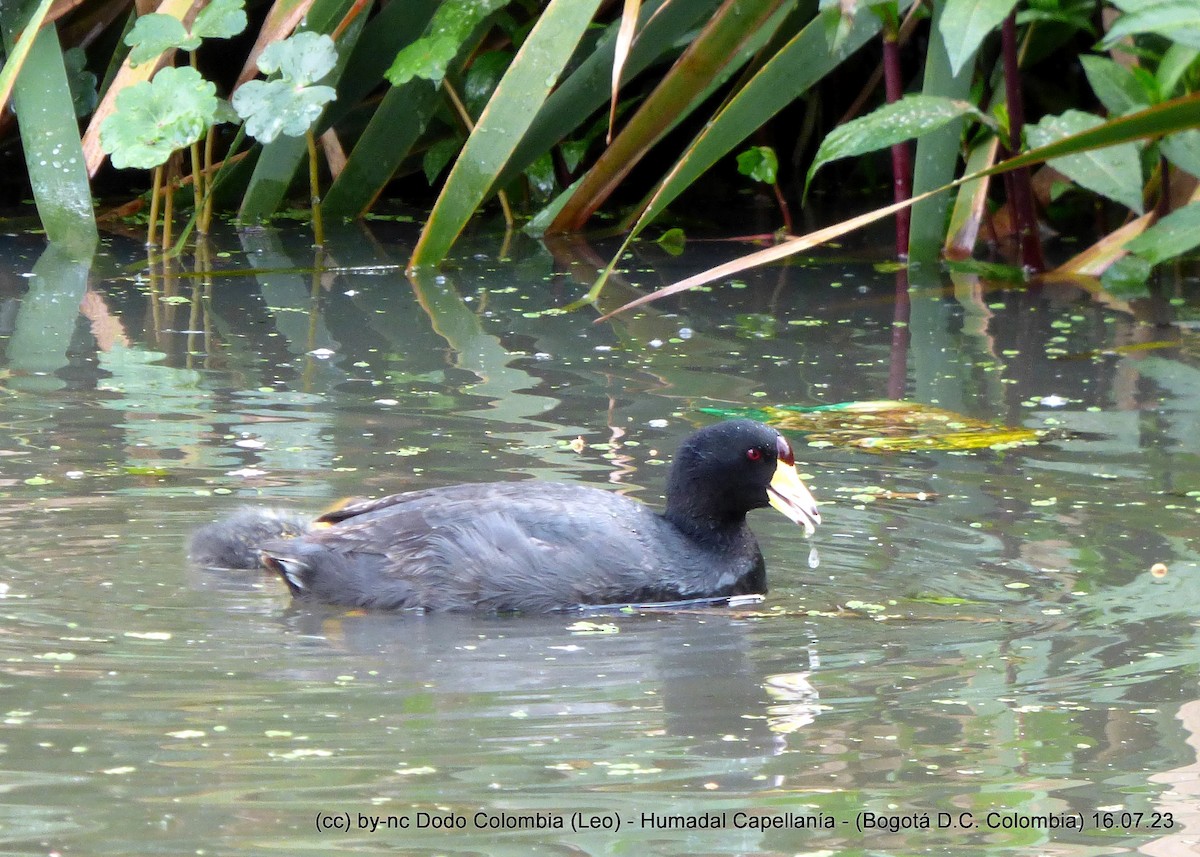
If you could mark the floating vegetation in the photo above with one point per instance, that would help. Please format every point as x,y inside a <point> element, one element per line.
<point>887,426</point>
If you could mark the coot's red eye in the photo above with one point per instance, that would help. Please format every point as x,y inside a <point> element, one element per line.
<point>753,454</point>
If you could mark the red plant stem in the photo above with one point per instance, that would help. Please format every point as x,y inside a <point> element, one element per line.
<point>1021,187</point>
<point>901,154</point>
<point>784,211</point>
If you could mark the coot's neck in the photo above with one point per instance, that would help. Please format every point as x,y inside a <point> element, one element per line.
<point>697,511</point>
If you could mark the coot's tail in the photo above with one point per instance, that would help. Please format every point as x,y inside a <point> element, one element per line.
<point>234,542</point>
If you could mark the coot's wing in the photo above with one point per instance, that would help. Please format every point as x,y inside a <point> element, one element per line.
<point>530,546</point>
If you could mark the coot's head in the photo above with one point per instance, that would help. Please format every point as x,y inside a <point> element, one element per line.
<point>724,470</point>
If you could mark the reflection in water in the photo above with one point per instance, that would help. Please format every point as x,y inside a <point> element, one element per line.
<point>1003,648</point>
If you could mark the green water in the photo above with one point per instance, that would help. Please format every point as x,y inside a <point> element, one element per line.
<point>995,661</point>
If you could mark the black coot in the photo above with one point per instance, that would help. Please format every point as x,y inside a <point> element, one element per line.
<point>535,546</point>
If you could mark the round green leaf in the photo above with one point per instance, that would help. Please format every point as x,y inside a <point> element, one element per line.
<point>220,19</point>
<point>425,58</point>
<point>81,81</point>
<point>153,119</point>
<point>154,33</point>
<point>303,58</point>
<point>274,107</point>
<point>760,164</point>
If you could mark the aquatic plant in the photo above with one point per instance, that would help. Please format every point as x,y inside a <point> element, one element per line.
<point>571,108</point>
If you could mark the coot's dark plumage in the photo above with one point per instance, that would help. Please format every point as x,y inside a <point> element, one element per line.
<point>536,546</point>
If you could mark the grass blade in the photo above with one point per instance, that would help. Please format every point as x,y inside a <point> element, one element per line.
<point>716,50</point>
<point>792,71</point>
<point>50,137</point>
<point>397,122</point>
<point>629,17</point>
<point>1175,115</point>
<point>581,94</point>
<point>18,51</point>
<point>524,87</point>
<point>937,152</point>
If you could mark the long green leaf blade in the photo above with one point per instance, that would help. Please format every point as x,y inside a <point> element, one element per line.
<point>739,28</point>
<point>937,154</point>
<point>524,87</point>
<point>790,73</point>
<point>18,51</point>
<point>397,123</point>
<point>1166,118</point>
<point>578,97</point>
<point>50,137</point>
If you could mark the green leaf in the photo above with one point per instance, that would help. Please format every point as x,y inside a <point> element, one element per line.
<point>1114,172</point>
<point>450,28</point>
<point>289,104</point>
<point>1075,15</point>
<point>1173,66</point>
<point>82,82</point>
<point>966,23</point>
<point>426,58</point>
<point>154,33</point>
<point>760,164</point>
<point>1183,150</point>
<point>673,241</point>
<point>1127,277</point>
<point>276,167</point>
<point>541,178</point>
<point>907,118</point>
<point>220,19</point>
<point>301,59</point>
<point>438,155</point>
<point>274,107</point>
<point>482,78</point>
<point>528,81</point>
<point>1177,20</point>
<point>884,425</point>
<point>940,600</point>
<point>1172,236</point>
<point>155,118</point>
<point>1116,87</point>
